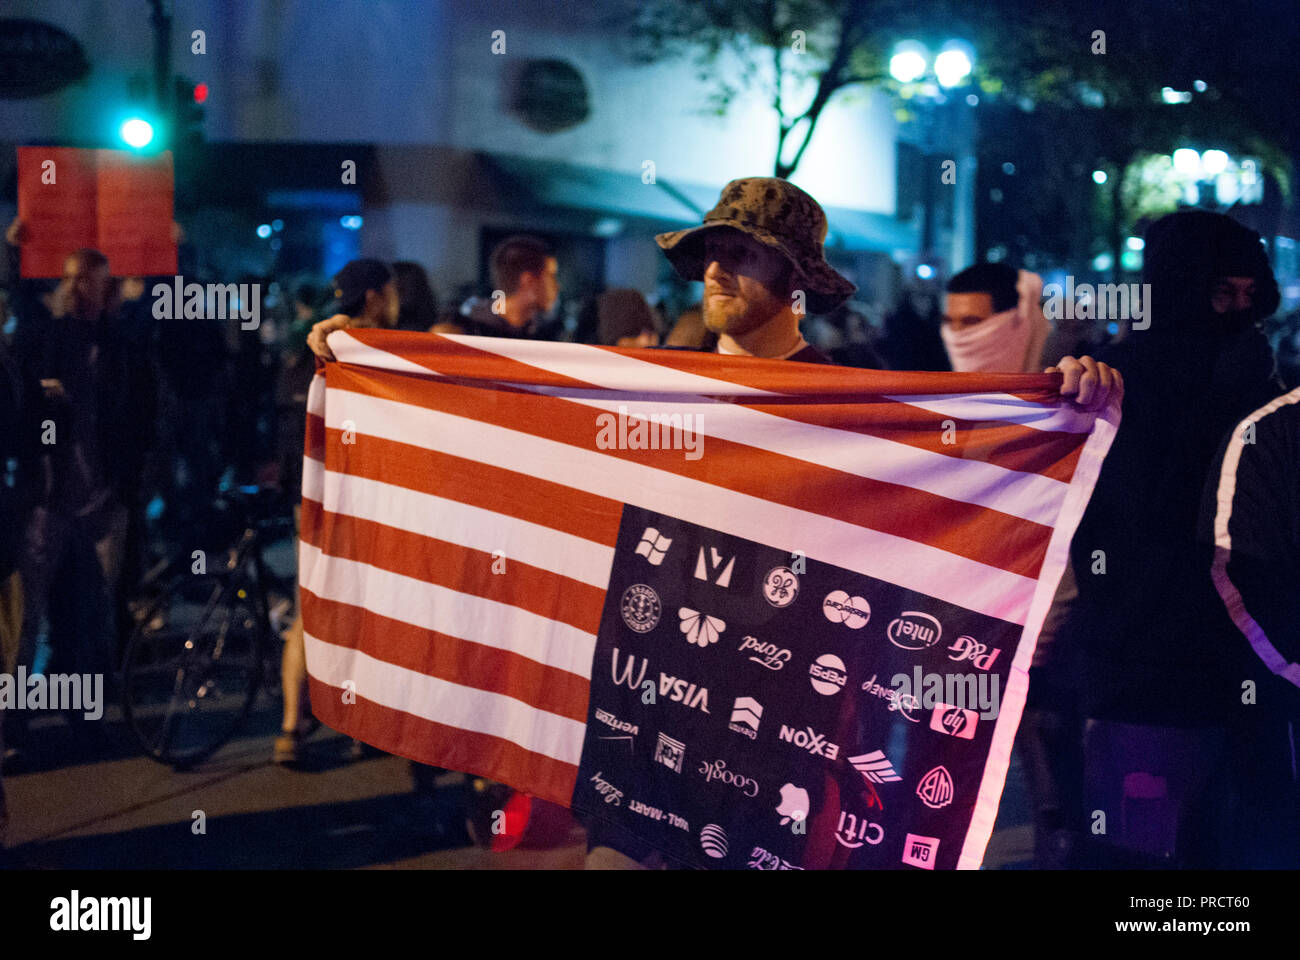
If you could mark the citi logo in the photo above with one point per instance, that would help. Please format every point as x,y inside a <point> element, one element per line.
<point>913,630</point>
<point>684,692</point>
<point>852,832</point>
<point>745,716</point>
<point>875,767</point>
<point>827,674</point>
<point>704,570</point>
<point>628,667</point>
<point>815,743</point>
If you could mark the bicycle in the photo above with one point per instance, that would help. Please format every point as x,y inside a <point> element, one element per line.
<point>204,641</point>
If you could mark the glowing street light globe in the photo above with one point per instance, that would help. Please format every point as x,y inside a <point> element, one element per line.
<point>1187,161</point>
<point>908,62</point>
<point>952,66</point>
<point>1214,162</point>
<point>136,132</point>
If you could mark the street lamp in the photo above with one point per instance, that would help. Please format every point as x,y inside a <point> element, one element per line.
<point>909,62</point>
<point>953,64</point>
<point>925,81</point>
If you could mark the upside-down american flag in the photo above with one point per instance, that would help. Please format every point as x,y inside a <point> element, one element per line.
<point>752,612</point>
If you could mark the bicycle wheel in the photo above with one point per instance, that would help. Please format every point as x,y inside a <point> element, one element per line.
<point>193,667</point>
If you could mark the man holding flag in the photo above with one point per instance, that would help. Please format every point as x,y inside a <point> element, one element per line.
<point>759,253</point>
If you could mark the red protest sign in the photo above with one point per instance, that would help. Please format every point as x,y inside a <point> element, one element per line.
<point>115,201</point>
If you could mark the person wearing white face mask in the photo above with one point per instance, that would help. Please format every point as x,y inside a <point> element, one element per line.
<point>993,320</point>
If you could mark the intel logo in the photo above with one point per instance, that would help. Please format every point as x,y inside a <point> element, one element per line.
<point>912,630</point>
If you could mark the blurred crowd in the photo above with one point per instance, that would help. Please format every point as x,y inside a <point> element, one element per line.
<point>156,415</point>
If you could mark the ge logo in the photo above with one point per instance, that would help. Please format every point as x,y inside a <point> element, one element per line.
<point>780,587</point>
<point>853,612</point>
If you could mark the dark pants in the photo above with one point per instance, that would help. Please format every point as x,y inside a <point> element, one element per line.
<point>69,567</point>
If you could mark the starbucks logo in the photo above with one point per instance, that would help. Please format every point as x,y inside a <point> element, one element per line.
<point>641,608</point>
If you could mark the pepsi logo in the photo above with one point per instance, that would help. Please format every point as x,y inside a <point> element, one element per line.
<point>827,674</point>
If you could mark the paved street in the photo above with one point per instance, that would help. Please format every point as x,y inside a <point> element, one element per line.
<point>119,810</point>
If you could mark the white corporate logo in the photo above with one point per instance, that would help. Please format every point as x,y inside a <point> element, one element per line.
<point>641,608</point>
<point>852,832</point>
<point>653,546</point>
<point>875,766</point>
<point>745,716</point>
<point>913,630</point>
<point>956,721</point>
<point>670,752</point>
<point>812,741</point>
<point>935,788</point>
<point>827,674</point>
<point>920,851</point>
<point>780,586</point>
<point>968,648</point>
<point>794,803</point>
<point>853,612</point>
<point>706,567</point>
<point>713,841</point>
<point>717,770</point>
<point>767,654</point>
<point>700,629</point>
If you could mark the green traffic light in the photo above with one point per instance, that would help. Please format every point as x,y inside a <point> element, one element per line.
<point>136,132</point>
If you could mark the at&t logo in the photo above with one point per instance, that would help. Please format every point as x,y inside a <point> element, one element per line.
<point>713,841</point>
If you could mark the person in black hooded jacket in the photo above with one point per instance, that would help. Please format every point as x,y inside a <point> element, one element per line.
<point>1162,668</point>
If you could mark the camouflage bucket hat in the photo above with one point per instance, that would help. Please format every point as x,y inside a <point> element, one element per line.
<point>777,214</point>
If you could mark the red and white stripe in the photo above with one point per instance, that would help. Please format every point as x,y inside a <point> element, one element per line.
<point>428,455</point>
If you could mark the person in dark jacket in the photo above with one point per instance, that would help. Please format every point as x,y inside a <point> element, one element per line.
<point>1147,622</point>
<point>91,355</point>
<point>1251,515</point>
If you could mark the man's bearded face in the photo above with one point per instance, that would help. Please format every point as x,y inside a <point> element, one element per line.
<point>745,283</point>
